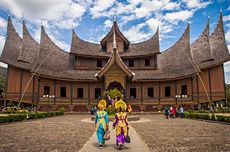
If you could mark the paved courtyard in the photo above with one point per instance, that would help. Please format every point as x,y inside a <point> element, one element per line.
<point>69,133</point>
<point>162,134</point>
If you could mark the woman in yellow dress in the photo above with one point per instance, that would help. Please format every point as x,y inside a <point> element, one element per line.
<point>121,123</point>
<point>101,122</point>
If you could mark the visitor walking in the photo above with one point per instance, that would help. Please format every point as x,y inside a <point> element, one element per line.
<point>166,111</point>
<point>181,112</point>
<point>121,124</point>
<point>101,122</point>
<point>173,112</point>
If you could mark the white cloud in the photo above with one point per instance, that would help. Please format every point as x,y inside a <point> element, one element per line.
<point>227,36</point>
<point>3,23</point>
<point>195,4</point>
<point>100,6</point>
<point>56,11</point>
<point>178,16</point>
<point>226,18</point>
<point>227,67</point>
<point>153,24</point>
<point>139,34</point>
<point>172,6</point>
<point>108,23</point>
<point>2,42</point>
<point>228,25</point>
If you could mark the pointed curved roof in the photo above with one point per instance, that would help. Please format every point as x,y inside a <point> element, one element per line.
<point>30,48</point>
<point>115,29</point>
<point>200,48</point>
<point>79,46</point>
<point>218,46</point>
<point>145,48</point>
<point>115,58</point>
<point>52,59</point>
<point>148,47</point>
<point>12,47</point>
<point>173,63</point>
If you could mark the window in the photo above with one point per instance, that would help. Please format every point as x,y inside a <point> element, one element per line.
<point>184,89</point>
<point>46,90</point>
<point>80,92</point>
<point>99,63</point>
<point>147,62</point>
<point>150,92</point>
<point>63,91</point>
<point>132,93</point>
<point>131,63</point>
<point>97,93</point>
<point>167,91</point>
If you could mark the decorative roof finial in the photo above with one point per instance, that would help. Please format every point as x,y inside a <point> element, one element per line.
<point>114,17</point>
<point>8,11</point>
<point>23,16</point>
<point>114,39</point>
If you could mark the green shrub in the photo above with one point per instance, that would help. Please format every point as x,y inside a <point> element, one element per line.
<point>12,117</point>
<point>62,110</point>
<point>223,118</point>
<point>111,111</point>
<point>31,115</point>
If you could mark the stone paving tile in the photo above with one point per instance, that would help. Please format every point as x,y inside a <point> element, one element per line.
<point>183,135</point>
<point>63,133</point>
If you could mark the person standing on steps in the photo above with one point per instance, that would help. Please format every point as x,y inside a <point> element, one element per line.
<point>101,122</point>
<point>121,123</point>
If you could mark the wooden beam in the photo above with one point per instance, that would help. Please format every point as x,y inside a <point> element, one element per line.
<point>88,93</point>
<point>39,89</point>
<point>20,89</point>
<point>33,89</point>
<point>55,85</point>
<point>197,89</point>
<point>159,92</point>
<point>141,92</point>
<point>224,81</point>
<point>71,92</point>
<point>192,87</point>
<point>210,84</point>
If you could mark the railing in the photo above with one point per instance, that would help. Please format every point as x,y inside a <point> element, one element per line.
<point>196,97</point>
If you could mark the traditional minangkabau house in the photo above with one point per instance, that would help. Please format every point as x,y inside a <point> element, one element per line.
<point>184,74</point>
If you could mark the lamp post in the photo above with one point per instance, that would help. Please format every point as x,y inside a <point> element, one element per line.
<point>48,97</point>
<point>181,96</point>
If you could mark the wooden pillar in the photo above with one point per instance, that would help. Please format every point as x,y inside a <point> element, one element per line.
<point>210,84</point>
<point>175,91</point>
<point>39,80</point>
<point>88,93</point>
<point>71,92</point>
<point>159,92</point>
<point>225,95</point>
<point>198,94</point>
<point>55,84</point>
<point>6,85</point>
<point>141,93</point>
<point>21,75</point>
<point>192,87</point>
<point>33,89</point>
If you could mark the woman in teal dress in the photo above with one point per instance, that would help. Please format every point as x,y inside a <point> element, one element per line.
<point>101,122</point>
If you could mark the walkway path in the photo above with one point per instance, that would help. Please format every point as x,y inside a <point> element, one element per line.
<point>136,143</point>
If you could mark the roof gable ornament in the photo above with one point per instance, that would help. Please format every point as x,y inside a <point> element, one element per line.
<point>115,58</point>
<point>116,30</point>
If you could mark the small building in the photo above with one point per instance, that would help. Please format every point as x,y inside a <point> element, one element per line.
<point>184,74</point>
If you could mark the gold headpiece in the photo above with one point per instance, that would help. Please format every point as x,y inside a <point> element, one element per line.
<point>102,103</point>
<point>121,104</point>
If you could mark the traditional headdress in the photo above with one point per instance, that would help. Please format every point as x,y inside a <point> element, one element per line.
<point>102,103</point>
<point>120,104</point>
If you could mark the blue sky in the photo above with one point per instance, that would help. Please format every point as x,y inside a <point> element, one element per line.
<point>137,19</point>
